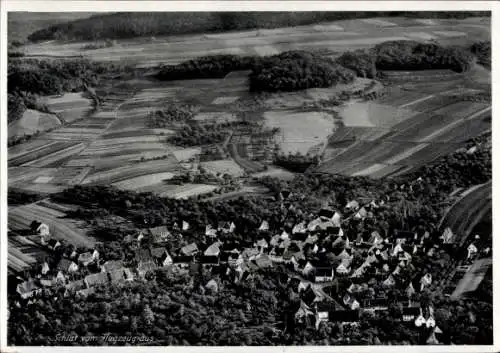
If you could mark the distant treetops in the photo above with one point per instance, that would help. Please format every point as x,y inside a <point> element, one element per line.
<point>297,70</point>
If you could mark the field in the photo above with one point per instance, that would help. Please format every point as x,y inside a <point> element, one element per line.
<point>337,36</point>
<point>227,166</point>
<point>60,227</point>
<point>31,122</point>
<point>301,131</point>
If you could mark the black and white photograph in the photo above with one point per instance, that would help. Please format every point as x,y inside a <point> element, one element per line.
<point>299,177</point>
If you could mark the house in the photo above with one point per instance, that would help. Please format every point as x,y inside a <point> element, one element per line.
<point>389,281</point>
<point>322,313</point>
<point>160,234</point>
<point>263,261</point>
<point>183,261</point>
<point>61,278</point>
<point>344,267</point>
<point>53,244</point>
<point>73,287</point>
<point>420,320</point>
<point>323,274</point>
<point>67,266</point>
<point>304,314</point>
<point>143,255</point>
<point>28,289</point>
<point>45,268</point>
<point>447,236</point>
<point>277,254</point>
<point>144,267</point>
<point>84,293</point>
<point>350,302</point>
<point>96,279</point>
<point>308,268</point>
<point>425,281</point>
<point>352,205</point>
<point>161,256</point>
<point>111,265</point>
<point>261,244</point>
<point>249,254</point>
<point>189,250</point>
<point>299,228</point>
<point>471,251</point>
<point>361,214</point>
<point>376,304</point>
<point>264,226</point>
<point>120,275</point>
<point>88,257</point>
<point>410,291</point>
<point>185,226</point>
<point>212,286</point>
<point>284,235</point>
<point>48,282</point>
<point>40,228</point>
<point>410,313</point>
<point>129,238</point>
<point>355,288</point>
<point>226,227</point>
<point>210,231</point>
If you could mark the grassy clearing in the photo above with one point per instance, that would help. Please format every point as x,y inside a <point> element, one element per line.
<point>31,122</point>
<point>227,166</point>
<point>143,181</point>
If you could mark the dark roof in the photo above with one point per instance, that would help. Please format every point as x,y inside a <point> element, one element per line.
<point>323,271</point>
<point>327,213</point>
<point>142,255</point>
<point>209,259</point>
<point>64,264</point>
<point>158,252</point>
<point>117,276</point>
<point>53,242</point>
<point>412,310</point>
<point>344,315</point>
<point>97,278</point>
<point>183,259</point>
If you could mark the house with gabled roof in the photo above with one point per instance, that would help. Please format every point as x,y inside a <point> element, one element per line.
<point>410,313</point>
<point>389,281</point>
<point>88,257</point>
<point>210,231</point>
<point>48,282</point>
<point>96,279</point>
<point>73,287</point>
<point>350,302</point>
<point>120,275</point>
<point>28,289</point>
<point>344,267</point>
<point>67,266</point>
<point>53,244</point>
<point>84,293</point>
<point>323,274</point>
<point>189,250</point>
<point>159,234</point>
<point>144,267</point>
<point>185,226</point>
<point>161,256</point>
<point>264,226</point>
<point>226,227</point>
<point>40,228</point>
<point>304,314</point>
<point>111,265</point>
<point>352,205</point>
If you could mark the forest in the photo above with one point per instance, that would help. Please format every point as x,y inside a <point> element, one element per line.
<point>128,25</point>
<point>411,55</point>
<point>171,113</point>
<point>482,50</point>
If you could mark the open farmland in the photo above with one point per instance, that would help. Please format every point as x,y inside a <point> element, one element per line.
<point>33,121</point>
<point>61,227</point>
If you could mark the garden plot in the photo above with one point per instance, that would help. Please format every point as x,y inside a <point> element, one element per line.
<point>227,166</point>
<point>55,157</point>
<point>369,114</point>
<point>70,106</point>
<point>29,147</point>
<point>40,152</point>
<point>132,170</point>
<point>31,122</point>
<point>61,227</point>
<point>188,190</point>
<point>63,135</point>
<point>186,154</point>
<point>20,175</point>
<point>301,131</point>
<point>143,181</point>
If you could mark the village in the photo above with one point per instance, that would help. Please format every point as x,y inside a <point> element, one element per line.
<point>335,276</point>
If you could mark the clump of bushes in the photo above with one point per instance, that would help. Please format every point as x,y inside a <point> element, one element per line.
<point>195,135</point>
<point>168,115</point>
<point>359,61</point>
<point>482,50</point>
<point>297,70</point>
<point>296,162</point>
<point>411,55</point>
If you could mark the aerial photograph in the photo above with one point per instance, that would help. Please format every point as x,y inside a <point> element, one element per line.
<point>249,178</point>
